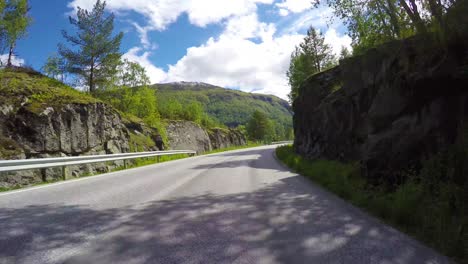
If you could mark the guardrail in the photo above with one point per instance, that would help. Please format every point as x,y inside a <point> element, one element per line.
<point>282,142</point>
<point>31,164</point>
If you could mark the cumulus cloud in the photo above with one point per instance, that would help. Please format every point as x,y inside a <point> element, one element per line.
<point>161,13</point>
<point>15,60</point>
<point>293,6</point>
<point>142,57</point>
<point>235,60</point>
<point>337,41</point>
<point>249,54</point>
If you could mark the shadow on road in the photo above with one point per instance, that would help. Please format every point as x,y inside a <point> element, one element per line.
<point>282,223</point>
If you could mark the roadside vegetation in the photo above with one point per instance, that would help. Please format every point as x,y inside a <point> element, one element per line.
<point>431,205</point>
<point>90,58</point>
<point>373,23</point>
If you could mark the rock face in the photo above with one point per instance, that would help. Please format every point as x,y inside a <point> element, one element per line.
<point>225,138</point>
<point>389,108</point>
<point>72,130</point>
<point>189,135</point>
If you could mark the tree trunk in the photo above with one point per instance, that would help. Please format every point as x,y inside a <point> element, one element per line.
<point>414,15</point>
<point>436,11</point>
<point>91,79</point>
<point>10,56</point>
<point>392,13</point>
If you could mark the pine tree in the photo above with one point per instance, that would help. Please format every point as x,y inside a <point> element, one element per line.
<point>313,55</point>
<point>259,127</point>
<point>97,57</point>
<point>316,50</point>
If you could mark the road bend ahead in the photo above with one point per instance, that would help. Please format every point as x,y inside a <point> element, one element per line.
<point>233,207</point>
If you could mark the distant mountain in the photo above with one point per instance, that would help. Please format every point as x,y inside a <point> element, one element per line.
<point>230,107</point>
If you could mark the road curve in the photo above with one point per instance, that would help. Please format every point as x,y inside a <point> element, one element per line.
<point>234,207</point>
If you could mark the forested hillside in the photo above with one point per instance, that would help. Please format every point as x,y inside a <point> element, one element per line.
<point>229,107</point>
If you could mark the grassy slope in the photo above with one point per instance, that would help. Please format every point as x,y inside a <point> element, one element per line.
<point>39,91</point>
<point>230,107</point>
<point>432,212</point>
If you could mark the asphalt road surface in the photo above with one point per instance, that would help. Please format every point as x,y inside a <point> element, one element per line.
<point>234,207</point>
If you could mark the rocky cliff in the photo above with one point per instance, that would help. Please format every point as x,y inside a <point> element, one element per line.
<point>189,135</point>
<point>40,118</point>
<point>389,108</point>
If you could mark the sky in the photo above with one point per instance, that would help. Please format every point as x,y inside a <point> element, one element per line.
<point>237,44</point>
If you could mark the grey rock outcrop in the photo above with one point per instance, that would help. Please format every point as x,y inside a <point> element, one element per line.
<point>225,138</point>
<point>389,108</point>
<point>189,135</point>
<point>72,130</point>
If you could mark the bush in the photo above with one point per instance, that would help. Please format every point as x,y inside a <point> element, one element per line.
<point>431,205</point>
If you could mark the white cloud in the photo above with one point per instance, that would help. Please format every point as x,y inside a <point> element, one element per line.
<point>234,60</point>
<point>249,54</point>
<point>317,17</point>
<point>293,6</point>
<point>136,55</point>
<point>336,41</point>
<point>14,60</point>
<point>161,13</point>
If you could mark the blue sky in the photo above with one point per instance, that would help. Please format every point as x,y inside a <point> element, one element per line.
<point>241,44</point>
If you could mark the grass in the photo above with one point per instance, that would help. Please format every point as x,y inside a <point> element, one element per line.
<point>249,145</point>
<point>426,207</point>
<point>40,91</point>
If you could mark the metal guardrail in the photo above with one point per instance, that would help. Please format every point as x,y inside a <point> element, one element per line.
<point>282,142</point>
<point>30,164</point>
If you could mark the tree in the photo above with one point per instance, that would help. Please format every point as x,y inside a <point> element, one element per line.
<point>132,74</point>
<point>54,68</point>
<point>97,57</point>
<point>194,112</point>
<point>13,25</point>
<point>344,53</point>
<point>372,22</point>
<point>313,55</point>
<point>259,127</point>
<point>316,51</point>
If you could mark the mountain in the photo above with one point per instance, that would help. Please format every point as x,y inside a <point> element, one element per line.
<point>230,107</point>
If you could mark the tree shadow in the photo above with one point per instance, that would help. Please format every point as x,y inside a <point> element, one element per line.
<point>281,223</point>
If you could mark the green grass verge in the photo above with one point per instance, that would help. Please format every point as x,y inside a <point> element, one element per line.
<point>249,145</point>
<point>433,213</point>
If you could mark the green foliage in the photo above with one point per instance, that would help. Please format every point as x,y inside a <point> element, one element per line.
<point>249,145</point>
<point>431,205</point>
<point>41,91</point>
<point>97,57</point>
<point>193,112</point>
<point>130,74</point>
<point>260,127</point>
<point>313,55</point>
<point>54,68</point>
<point>14,21</point>
<point>371,23</point>
<point>344,53</point>
<point>221,107</point>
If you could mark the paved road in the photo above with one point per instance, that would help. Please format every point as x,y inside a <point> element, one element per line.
<point>233,207</point>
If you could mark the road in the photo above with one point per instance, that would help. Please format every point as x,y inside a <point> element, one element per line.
<point>233,207</point>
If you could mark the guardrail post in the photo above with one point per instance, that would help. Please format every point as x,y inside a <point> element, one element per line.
<point>125,163</point>
<point>158,159</point>
<point>64,173</point>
